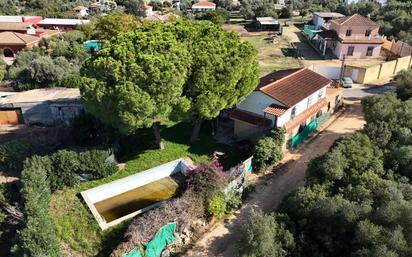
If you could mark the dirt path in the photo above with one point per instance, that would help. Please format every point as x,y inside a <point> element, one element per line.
<point>222,240</point>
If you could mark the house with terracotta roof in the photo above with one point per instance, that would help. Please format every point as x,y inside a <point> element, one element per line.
<point>203,6</point>
<point>289,99</point>
<point>354,37</point>
<point>13,42</point>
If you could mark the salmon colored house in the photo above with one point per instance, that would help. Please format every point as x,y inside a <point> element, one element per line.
<point>354,37</point>
<point>13,42</point>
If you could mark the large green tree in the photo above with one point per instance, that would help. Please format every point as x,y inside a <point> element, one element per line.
<point>137,80</point>
<point>224,69</point>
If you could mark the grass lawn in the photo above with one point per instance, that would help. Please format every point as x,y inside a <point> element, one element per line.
<point>77,229</point>
<point>273,56</point>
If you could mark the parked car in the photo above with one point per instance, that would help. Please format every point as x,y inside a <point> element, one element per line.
<point>346,82</point>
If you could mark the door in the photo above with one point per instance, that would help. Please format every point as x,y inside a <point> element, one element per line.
<point>10,116</point>
<point>355,73</point>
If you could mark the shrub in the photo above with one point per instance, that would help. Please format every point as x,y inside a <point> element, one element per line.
<point>94,162</point>
<point>66,167</point>
<point>217,205</point>
<point>207,180</point>
<point>13,153</point>
<point>278,134</point>
<point>233,199</point>
<point>38,236</point>
<point>267,152</point>
<point>264,236</point>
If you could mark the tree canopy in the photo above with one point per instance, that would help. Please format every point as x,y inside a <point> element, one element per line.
<point>141,77</point>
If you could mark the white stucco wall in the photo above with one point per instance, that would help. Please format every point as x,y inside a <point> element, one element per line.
<point>301,107</point>
<point>257,102</point>
<point>317,21</point>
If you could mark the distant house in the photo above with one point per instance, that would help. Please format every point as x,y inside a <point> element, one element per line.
<point>13,42</point>
<point>81,10</point>
<point>46,107</point>
<point>203,6</point>
<point>350,37</point>
<point>268,24</point>
<point>19,27</point>
<point>290,99</point>
<point>356,37</point>
<point>61,24</point>
<point>11,18</point>
<point>321,18</point>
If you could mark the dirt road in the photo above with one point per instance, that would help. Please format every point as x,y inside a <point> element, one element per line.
<point>270,189</point>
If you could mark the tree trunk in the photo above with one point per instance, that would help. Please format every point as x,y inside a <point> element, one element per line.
<point>158,138</point>
<point>196,129</point>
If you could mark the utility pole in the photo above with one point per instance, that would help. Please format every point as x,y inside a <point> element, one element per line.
<point>341,70</point>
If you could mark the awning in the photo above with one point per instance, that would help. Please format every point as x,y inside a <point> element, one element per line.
<point>290,125</point>
<point>249,118</point>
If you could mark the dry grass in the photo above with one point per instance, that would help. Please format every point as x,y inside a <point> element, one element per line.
<point>273,56</point>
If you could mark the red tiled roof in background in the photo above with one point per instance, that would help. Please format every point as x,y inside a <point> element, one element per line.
<point>14,38</point>
<point>290,125</point>
<point>249,118</point>
<point>204,4</point>
<point>295,87</point>
<point>275,109</point>
<point>356,20</point>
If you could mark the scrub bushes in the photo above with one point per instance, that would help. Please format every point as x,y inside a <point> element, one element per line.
<point>68,168</point>
<point>217,205</point>
<point>38,236</point>
<point>13,153</point>
<point>268,151</point>
<point>264,236</point>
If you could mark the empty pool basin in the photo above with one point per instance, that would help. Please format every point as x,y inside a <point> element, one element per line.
<point>125,198</point>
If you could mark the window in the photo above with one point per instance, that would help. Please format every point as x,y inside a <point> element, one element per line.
<point>310,100</point>
<point>348,32</point>
<point>320,94</point>
<point>319,113</point>
<point>293,113</point>
<point>369,51</point>
<point>351,49</point>
<point>367,33</point>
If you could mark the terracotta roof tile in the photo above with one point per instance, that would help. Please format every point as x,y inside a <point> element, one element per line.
<point>275,109</point>
<point>7,26</point>
<point>203,4</point>
<point>249,118</point>
<point>14,38</point>
<point>295,87</point>
<point>356,20</point>
<point>290,125</point>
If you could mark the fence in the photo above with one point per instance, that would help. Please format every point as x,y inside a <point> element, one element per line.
<point>397,47</point>
<point>364,75</point>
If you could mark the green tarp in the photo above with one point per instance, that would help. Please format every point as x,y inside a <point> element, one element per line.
<point>164,237</point>
<point>133,253</point>
<point>304,134</point>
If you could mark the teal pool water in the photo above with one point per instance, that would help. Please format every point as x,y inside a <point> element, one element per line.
<point>92,45</point>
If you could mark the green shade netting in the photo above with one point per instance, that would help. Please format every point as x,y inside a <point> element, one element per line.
<point>304,134</point>
<point>164,237</point>
<point>133,253</point>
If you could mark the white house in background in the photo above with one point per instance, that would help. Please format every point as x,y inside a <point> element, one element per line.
<point>81,10</point>
<point>289,98</point>
<point>203,6</point>
<point>321,18</point>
